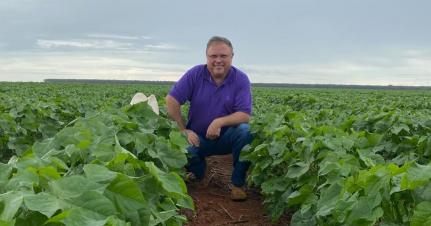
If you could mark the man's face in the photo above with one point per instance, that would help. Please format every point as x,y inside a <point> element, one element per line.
<point>219,59</point>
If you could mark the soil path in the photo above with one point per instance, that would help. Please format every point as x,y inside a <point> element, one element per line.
<point>213,204</point>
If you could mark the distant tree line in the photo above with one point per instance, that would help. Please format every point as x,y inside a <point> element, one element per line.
<point>336,86</point>
<point>286,85</point>
<point>103,81</point>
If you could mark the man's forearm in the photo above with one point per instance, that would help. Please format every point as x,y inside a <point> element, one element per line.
<point>179,119</point>
<point>174,111</point>
<point>233,119</point>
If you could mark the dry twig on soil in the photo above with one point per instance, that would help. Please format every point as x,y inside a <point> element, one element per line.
<point>225,210</point>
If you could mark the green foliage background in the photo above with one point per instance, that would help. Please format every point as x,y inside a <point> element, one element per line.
<point>78,154</point>
<point>343,157</point>
<point>81,155</point>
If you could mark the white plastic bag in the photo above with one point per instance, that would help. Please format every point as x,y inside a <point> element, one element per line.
<point>151,100</point>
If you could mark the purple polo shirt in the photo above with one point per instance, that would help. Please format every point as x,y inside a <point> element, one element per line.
<point>207,101</point>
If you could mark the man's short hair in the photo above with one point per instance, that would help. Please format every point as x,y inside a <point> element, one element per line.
<point>215,39</point>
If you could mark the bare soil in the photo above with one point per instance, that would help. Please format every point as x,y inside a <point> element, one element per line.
<point>214,206</point>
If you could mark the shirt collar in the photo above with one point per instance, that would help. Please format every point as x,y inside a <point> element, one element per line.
<point>228,79</point>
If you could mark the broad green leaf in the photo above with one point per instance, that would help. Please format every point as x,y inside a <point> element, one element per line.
<point>298,169</point>
<point>24,178</point>
<point>299,196</point>
<point>416,176</point>
<point>78,217</point>
<point>5,171</point>
<point>60,164</point>
<point>11,202</point>
<point>162,217</point>
<point>44,148</point>
<point>171,182</point>
<point>104,148</point>
<point>178,139</point>
<point>120,150</point>
<point>276,148</point>
<point>49,173</point>
<point>327,167</point>
<point>43,202</point>
<point>126,194</point>
<point>367,208</point>
<point>398,128</point>
<point>7,223</point>
<point>93,201</point>
<point>115,221</point>
<point>31,218</point>
<point>274,184</point>
<point>98,173</point>
<point>74,186</point>
<point>171,157</point>
<point>422,214</point>
<point>328,199</point>
<point>303,219</point>
<point>144,141</point>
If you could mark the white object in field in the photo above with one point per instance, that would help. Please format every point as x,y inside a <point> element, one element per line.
<point>151,100</point>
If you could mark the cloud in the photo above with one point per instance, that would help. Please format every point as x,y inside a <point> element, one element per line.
<point>163,46</point>
<point>425,53</point>
<point>99,42</point>
<point>118,36</point>
<point>39,66</point>
<point>83,44</point>
<point>146,37</point>
<point>394,70</point>
<point>139,65</point>
<point>112,36</point>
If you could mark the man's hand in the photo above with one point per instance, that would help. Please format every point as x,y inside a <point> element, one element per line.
<point>192,137</point>
<point>213,131</point>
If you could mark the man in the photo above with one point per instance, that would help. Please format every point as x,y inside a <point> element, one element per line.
<point>220,108</point>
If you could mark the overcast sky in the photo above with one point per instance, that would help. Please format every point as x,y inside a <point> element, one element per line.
<point>373,42</point>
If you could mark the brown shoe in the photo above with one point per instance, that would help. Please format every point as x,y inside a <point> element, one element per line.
<point>205,182</point>
<point>237,194</point>
<point>199,183</point>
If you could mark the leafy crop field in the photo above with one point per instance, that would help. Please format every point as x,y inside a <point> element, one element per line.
<point>77,154</point>
<point>344,157</point>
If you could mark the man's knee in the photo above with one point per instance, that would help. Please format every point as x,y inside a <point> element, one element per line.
<point>243,128</point>
<point>242,131</point>
<point>192,151</point>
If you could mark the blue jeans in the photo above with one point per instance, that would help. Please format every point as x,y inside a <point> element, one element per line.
<point>232,141</point>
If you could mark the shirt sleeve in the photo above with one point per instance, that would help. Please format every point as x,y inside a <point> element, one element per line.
<point>243,98</point>
<point>182,90</point>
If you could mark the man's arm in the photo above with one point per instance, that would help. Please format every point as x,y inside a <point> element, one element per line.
<point>235,118</point>
<point>174,111</point>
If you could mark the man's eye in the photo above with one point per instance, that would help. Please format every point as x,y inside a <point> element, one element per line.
<point>217,56</point>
